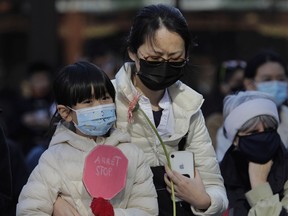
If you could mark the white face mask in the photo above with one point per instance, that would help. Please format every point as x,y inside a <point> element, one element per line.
<point>95,121</point>
<point>278,89</point>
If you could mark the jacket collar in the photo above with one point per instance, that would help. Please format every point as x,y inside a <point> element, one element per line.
<point>65,135</point>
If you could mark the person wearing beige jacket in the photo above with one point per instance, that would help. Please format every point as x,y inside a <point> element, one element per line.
<point>188,122</point>
<point>84,90</point>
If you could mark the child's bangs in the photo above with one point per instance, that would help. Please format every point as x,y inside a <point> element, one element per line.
<point>83,92</point>
<point>100,90</point>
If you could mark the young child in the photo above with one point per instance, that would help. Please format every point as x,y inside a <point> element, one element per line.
<point>79,88</point>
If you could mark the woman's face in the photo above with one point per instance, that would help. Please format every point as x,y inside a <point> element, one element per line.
<point>270,71</point>
<point>159,62</point>
<point>260,127</point>
<point>258,143</point>
<point>166,45</point>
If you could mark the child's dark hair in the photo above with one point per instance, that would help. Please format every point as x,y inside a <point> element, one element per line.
<point>73,84</point>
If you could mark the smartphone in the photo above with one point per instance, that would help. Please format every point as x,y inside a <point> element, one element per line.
<point>182,162</point>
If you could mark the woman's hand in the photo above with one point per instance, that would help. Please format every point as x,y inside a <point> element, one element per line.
<point>258,173</point>
<point>190,190</point>
<point>63,208</point>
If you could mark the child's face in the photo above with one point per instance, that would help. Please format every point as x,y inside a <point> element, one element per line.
<point>91,103</point>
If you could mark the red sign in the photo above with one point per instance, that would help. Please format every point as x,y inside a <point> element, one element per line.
<point>105,171</point>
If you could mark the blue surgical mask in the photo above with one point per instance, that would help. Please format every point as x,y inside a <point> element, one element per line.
<point>278,89</point>
<point>95,121</point>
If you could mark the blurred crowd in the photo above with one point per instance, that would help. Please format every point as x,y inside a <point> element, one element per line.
<point>245,87</point>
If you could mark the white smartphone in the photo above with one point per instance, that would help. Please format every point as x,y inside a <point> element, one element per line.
<point>182,162</point>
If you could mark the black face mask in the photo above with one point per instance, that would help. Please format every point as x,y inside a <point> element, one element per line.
<point>260,147</point>
<point>160,76</point>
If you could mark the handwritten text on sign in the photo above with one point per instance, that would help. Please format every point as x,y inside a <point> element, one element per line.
<point>103,165</point>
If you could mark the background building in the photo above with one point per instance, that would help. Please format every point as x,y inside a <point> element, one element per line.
<point>61,31</point>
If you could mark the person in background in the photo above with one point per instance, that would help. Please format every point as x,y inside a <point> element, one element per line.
<point>36,111</point>
<point>158,47</point>
<point>84,90</point>
<point>229,79</point>
<point>266,72</point>
<point>255,167</point>
<point>14,174</point>
<point>13,170</point>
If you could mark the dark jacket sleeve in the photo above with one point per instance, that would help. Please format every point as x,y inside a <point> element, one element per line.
<point>14,175</point>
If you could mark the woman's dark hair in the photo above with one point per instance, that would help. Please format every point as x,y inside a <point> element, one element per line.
<point>150,19</point>
<point>73,84</point>
<point>261,58</point>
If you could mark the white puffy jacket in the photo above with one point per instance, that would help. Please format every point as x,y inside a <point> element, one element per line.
<point>60,171</point>
<point>189,122</point>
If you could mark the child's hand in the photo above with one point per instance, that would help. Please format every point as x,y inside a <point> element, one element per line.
<point>190,190</point>
<point>63,208</point>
